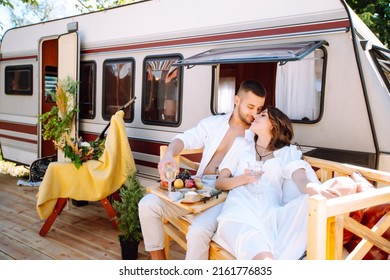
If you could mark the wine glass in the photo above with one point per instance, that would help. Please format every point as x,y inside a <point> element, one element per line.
<point>170,175</point>
<point>255,167</point>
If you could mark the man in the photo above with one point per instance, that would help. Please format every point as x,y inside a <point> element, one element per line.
<point>215,134</point>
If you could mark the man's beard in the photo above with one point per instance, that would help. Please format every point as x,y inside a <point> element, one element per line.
<point>243,119</point>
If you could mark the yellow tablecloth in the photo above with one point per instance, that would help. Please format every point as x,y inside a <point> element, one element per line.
<point>95,179</point>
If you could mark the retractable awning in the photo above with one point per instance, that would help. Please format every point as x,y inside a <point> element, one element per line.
<point>256,53</point>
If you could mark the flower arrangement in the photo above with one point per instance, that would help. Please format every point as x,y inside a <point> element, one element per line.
<point>58,122</point>
<point>78,151</point>
<point>8,167</point>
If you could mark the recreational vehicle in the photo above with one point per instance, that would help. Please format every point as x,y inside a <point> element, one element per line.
<point>183,60</point>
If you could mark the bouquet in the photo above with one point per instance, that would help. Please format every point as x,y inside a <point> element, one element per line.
<point>79,151</point>
<point>58,122</point>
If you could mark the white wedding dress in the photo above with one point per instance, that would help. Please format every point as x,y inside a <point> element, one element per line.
<point>254,217</point>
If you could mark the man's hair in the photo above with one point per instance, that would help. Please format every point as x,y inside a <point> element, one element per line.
<point>254,86</point>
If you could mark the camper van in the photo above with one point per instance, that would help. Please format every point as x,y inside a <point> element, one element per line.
<point>184,60</point>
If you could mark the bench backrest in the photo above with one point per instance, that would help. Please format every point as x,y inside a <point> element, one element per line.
<point>329,218</point>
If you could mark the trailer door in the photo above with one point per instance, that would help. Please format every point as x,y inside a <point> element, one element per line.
<point>59,58</point>
<point>68,56</point>
<point>68,63</point>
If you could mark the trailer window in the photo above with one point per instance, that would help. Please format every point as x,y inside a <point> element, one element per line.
<point>18,80</point>
<point>292,73</point>
<point>51,73</point>
<point>299,87</point>
<point>161,96</point>
<point>118,83</point>
<point>382,60</point>
<point>295,87</point>
<point>87,95</point>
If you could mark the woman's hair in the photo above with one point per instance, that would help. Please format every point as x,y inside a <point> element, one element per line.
<point>282,130</point>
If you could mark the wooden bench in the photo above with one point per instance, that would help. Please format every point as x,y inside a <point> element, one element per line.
<point>327,218</point>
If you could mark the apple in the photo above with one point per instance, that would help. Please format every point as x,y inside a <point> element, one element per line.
<point>164,184</point>
<point>198,183</point>
<point>189,183</point>
<point>178,183</point>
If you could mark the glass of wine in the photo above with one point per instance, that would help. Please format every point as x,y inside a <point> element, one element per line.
<point>255,167</point>
<point>170,175</point>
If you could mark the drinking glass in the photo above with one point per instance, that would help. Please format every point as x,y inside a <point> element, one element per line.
<point>170,175</point>
<point>256,167</point>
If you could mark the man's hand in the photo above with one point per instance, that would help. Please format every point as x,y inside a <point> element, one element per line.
<point>167,158</point>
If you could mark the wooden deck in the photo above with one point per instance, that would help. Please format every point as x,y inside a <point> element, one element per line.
<point>79,233</point>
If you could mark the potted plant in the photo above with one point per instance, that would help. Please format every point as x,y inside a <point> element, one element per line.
<point>126,208</point>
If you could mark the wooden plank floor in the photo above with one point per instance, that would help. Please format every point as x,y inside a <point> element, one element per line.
<point>79,233</point>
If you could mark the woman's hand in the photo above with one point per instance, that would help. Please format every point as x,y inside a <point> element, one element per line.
<point>335,187</point>
<point>315,188</point>
<point>251,176</point>
<point>226,182</point>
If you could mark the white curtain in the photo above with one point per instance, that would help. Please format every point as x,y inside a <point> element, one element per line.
<point>226,92</point>
<point>298,91</point>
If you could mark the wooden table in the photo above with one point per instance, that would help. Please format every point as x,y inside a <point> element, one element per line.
<point>196,207</point>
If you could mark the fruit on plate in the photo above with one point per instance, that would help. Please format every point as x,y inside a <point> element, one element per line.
<point>189,183</point>
<point>198,183</point>
<point>184,175</point>
<point>178,183</point>
<point>164,184</point>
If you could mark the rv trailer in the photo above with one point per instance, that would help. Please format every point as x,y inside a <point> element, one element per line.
<point>184,60</point>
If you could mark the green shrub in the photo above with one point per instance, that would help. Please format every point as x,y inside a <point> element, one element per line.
<point>126,209</point>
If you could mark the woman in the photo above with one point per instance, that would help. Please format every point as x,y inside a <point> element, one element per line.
<point>254,223</point>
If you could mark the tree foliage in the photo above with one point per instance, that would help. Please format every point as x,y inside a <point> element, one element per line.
<point>33,12</point>
<point>85,6</point>
<point>7,3</point>
<point>376,15</point>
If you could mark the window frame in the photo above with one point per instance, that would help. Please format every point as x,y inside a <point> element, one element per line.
<point>322,98</point>
<point>282,52</point>
<point>179,94</point>
<point>215,78</point>
<point>94,64</point>
<point>378,50</point>
<point>132,94</point>
<point>27,67</point>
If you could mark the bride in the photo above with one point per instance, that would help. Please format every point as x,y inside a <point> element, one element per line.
<point>257,221</point>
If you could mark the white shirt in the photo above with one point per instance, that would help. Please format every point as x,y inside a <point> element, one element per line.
<point>259,206</point>
<point>207,134</point>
